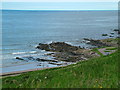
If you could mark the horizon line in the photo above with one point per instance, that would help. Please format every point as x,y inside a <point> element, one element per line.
<point>60,10</point>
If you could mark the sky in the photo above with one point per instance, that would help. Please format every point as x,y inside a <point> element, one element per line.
<point>60,4</point>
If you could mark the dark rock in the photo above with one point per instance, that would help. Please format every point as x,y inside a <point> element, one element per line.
<point>45,60</point>
<point>38,59</point>
<point>55,63</point>
<point>97,43</point>
<point>116,30</point>
<point>80,47</point>
<point>64,52</point>
<point>86,39</point>
<point>104,34</point>
<point>19,58</point>
<point>112,33</point>
<point>57,47</point>
<point>43,47</point>
<point>31,58</point>
<point>111,36</point>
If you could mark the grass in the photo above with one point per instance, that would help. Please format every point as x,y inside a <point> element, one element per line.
<point>107,51</point>
<point>101,72</point>
<point>111,48</point>
<point>96,50</point>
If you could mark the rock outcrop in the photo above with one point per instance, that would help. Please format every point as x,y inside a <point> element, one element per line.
<point>97,43</point>
<point>57,47</point>
<point>65,52</point>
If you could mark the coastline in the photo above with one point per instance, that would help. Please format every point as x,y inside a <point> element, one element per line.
<point>25,71</point>
<point>12,73</point>
<point>98,74</point>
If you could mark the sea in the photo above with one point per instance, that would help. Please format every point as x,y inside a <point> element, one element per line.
<point>23,30</point>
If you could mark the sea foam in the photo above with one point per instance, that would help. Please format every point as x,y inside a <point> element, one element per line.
<point>24,52</point>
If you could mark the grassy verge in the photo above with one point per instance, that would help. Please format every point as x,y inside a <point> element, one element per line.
<point>99,72</point>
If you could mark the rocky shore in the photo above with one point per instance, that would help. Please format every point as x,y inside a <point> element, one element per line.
<point>66,52</point>
<point>62,51</point>
<point>57,47</point>
<point>97,43</point>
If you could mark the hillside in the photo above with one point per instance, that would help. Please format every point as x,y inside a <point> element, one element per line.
<point>100,72</point>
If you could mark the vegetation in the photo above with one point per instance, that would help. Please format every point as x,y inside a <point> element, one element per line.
<point>107,51</point>
<point>113,48</point>
<point>100,72</point>
<point>96,50</point>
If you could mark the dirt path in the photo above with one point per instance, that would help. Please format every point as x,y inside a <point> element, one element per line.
<point>102,50</point>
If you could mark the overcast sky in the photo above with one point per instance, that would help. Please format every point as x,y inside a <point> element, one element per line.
<point>60,4</point>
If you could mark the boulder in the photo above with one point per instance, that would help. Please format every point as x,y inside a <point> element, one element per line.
<point>104,34</point>
<point>111,36</point>
<point>116,30</point>
<point>19,58</point>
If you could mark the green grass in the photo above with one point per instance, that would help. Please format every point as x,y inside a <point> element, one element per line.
<point>96,50</point>
<point>107,51</point>
<point>101,72</point>
<point>111,48</point>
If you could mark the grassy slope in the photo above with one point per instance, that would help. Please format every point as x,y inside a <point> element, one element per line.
<point>96,50</point>
<point>100,72</point>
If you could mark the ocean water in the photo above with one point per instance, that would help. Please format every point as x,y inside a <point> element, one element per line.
<point>22,31</point>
